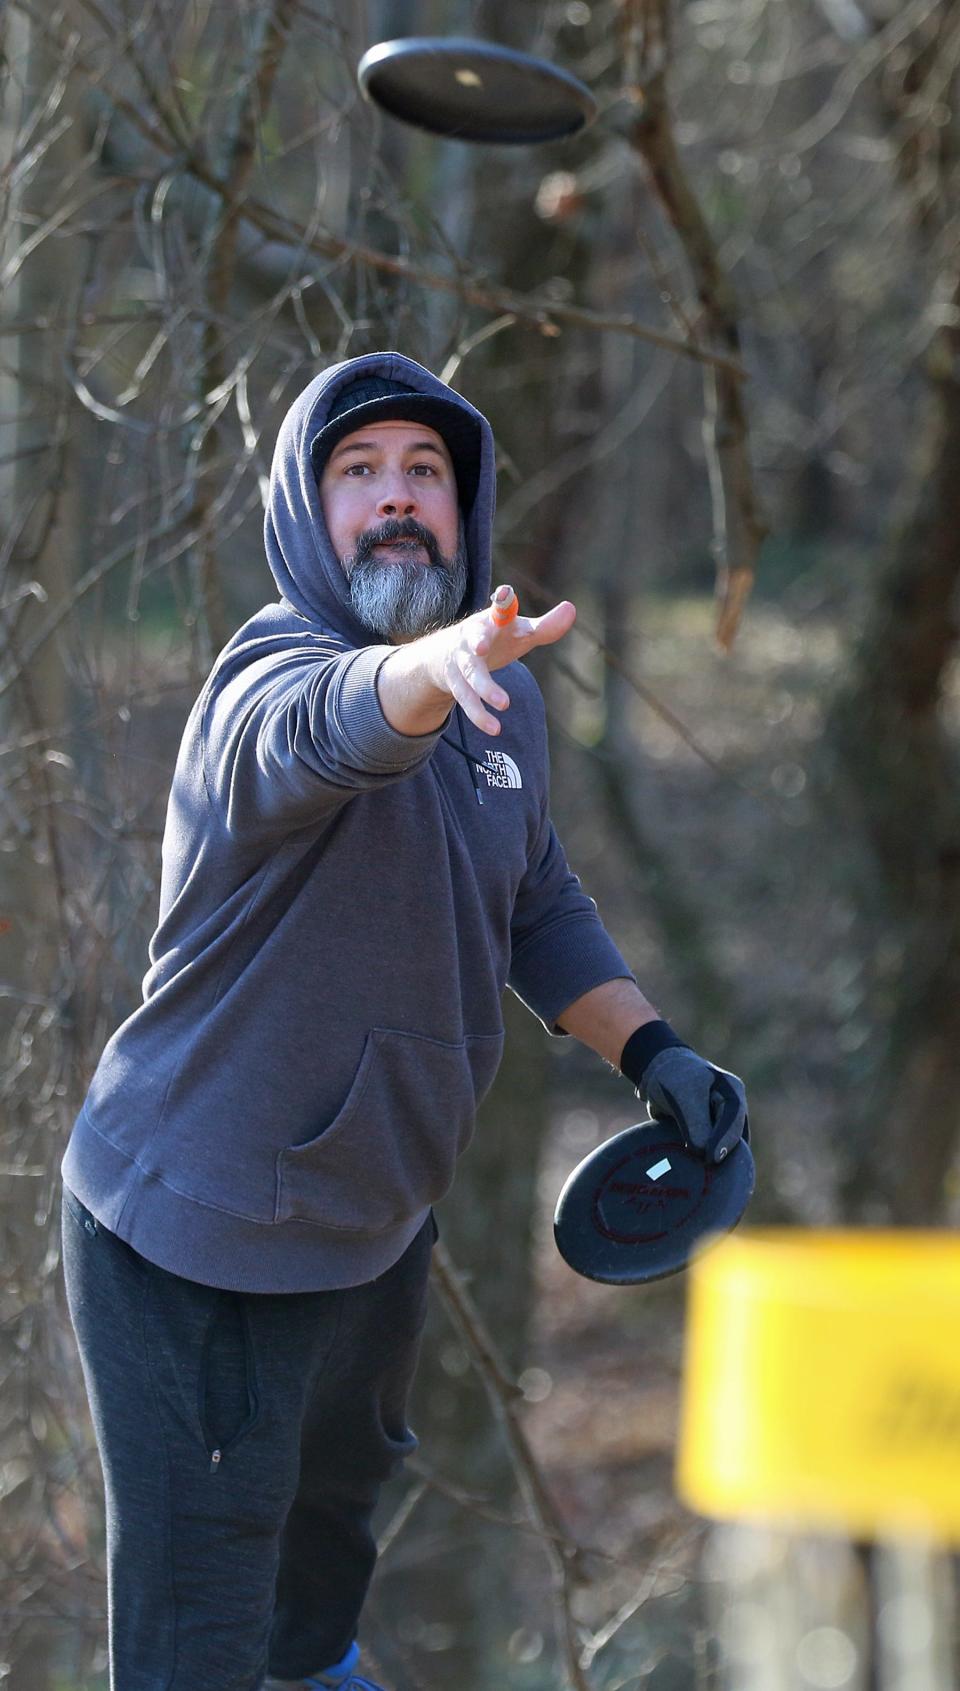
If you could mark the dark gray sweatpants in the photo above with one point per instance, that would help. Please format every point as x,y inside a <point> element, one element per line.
<point>244,1438</point>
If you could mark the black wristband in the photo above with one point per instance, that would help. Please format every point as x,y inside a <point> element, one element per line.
<point>645,1044</point>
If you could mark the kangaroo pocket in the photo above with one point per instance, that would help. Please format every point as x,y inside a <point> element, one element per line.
<point>393,1146</point>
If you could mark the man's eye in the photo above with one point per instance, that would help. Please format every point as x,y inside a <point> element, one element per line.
<point>424,469</point>
<point>356,469</point>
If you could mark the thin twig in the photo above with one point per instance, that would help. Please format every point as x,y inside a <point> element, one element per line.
<point>474,1503</point>
<point>544,315</point>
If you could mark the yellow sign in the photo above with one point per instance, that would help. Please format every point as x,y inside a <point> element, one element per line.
<point>822,1382</point>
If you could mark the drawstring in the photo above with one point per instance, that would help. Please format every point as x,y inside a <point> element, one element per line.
<point>474,762</point>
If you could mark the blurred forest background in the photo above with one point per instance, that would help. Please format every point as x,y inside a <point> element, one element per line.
<point>719,330</point>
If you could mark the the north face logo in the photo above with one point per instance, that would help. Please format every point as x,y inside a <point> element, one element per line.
<point>501,771</point>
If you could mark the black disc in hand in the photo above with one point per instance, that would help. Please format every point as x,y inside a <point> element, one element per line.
<point>637,1207</point>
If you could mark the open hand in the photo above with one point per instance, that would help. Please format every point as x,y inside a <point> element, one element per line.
<point>472,649</point>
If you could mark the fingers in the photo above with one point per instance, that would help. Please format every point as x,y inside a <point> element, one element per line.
<point>472,706</point>
<point>711,1118</point>
<point>528,631</point>
<point>474,688</point>
<point>728,1115</point>
<point>477,675</point>
<point>554,624</point>
<point>667,1108</point>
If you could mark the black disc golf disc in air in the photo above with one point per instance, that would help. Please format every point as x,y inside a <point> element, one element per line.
<point>474,90</point>
<point>637,1207</point>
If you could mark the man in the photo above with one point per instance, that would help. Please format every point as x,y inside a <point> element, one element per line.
<point>358,859</point>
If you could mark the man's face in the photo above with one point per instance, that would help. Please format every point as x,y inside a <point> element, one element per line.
<point>389,470</point>
<point>389,498</point>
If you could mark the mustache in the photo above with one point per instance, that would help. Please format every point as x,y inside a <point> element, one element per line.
<point>394,529</point>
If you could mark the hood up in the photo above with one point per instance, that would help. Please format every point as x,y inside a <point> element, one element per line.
<point>305,567</point>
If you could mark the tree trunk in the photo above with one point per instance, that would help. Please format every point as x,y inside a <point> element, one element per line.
<point>897,758</point>
<point>38,479</point>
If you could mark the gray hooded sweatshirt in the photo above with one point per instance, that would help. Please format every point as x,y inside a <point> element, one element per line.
<point>341,908</point>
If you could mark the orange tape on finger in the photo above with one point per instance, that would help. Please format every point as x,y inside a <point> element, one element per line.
<point>504,606</point>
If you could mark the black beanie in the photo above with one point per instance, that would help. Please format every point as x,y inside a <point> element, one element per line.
<point>375,399</point>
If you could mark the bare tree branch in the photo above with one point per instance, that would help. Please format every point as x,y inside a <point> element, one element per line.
<point>273,26</point>
<point>738,527</point>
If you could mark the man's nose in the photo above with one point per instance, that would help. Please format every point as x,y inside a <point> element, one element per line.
<point>397,498</point>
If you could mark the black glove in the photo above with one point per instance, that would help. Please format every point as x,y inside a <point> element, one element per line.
<point>709,1105</point>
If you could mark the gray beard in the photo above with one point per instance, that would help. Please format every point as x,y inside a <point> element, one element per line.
<point>401,598</point>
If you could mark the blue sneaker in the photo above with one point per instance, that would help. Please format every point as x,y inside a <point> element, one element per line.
<point>340,1677</point>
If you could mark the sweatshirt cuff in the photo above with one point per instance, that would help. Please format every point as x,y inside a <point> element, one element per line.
<point>558,966</point>
<point>370,740</point>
